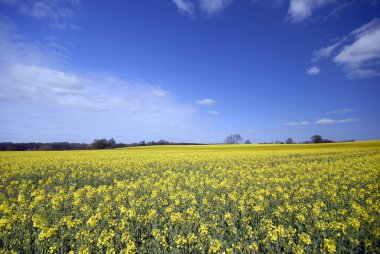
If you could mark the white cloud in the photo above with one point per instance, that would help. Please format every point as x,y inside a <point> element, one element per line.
<point>358,53</point>
<point>211,7</point>
<point>324,52</point>
<point>300,10</point>
<point>185,6</point>
<point>214,112</point>
<point>100,92</point>
<point>60,12</point>
<point>160,93</point>
<point>313,70</point>
<point>207,101</point>
<point>341,111</point>
<point>302,123</point>
<point>39,96</point>
<point>332,121</point>
<point>358,57</point>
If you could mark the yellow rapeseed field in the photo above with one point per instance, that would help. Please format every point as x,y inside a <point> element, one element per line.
<point>193,199</point>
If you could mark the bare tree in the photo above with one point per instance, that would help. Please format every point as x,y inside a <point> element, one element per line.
<point>233,139</point>
<point>248,142</point>
<point>289,141</point>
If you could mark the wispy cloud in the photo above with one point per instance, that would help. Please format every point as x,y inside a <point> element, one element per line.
<point>65,101</point>
<point>302,123</point>
<point>214,112</point>
<point>341,111</point>
<point>332,121</point>
<point>207,101</point>
<point>185,6</point>
<point>208,7</point>
<point>59,12</point>
<point>92,91</point>
<point>313,70</point>
<point>300,10</point>
<point>324,52</point>
<point>358,53</point>
<point>212,7</point>
<point>343,5</point>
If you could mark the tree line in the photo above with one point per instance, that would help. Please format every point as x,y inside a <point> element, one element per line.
<point>111,144</point>
<point>238,139</point>
<point>96,144</point>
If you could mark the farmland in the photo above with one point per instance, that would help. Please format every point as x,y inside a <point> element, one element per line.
<point>316,198</point>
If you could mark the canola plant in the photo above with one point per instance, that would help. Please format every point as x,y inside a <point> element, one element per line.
<point>193,199</point>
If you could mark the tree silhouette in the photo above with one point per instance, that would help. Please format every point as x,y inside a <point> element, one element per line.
<point>233,139</point>
<point>289,141</point>
<point>316,139</point>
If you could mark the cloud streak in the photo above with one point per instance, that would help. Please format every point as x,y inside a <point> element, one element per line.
<point>207,101</point>
<point>358,53</point>
<point>332,121</point>
<point>341,111</point>
<point>208,7</point>
<point>302,123</point>
<point>59,12</point>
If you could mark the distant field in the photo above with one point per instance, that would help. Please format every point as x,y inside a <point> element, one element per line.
<point>309,198</point>
<point>256,147</point>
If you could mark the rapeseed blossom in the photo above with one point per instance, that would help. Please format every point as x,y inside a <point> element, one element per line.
<point>192,199</point>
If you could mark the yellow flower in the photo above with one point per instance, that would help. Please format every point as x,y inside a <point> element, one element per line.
<point>92,221</point>
<point>53,249</point>
<point>329,245</point>
<point>203,229</point>
<point>300,217</point>
<point>354,223</point>
<point>253,247</point>
<point>176,217</point>
<point>5,223</point>
<point>305,238</point>
<point>130,248</point>
<point>215,246</point>
<point>180,240</point>
<point>47,233</point>
<point>84,250</point>
<point>39,221</point>
<point>191,238</point>
<point>214,199</point>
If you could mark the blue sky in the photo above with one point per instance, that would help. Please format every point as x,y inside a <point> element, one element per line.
<point>189,70</point>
